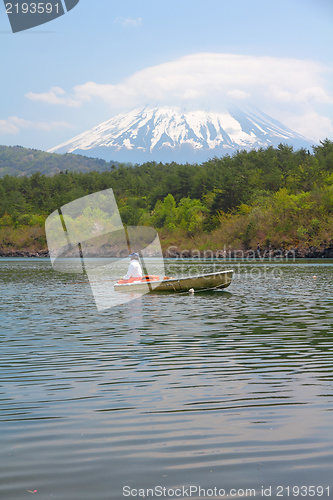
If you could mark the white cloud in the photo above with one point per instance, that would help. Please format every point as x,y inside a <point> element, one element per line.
<point>205,76</point>
<point>238,94</point>
<point>56,95</point>
<point>311,125</point>
<point>13,125</point>
<point>303,95</point>
<point>276,85</point>
<point>129,22</point>
<point>8,127</point>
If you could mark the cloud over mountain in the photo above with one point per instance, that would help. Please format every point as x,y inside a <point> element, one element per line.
<point>287,88</point>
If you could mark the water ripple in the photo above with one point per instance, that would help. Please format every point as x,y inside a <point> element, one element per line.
<point>232,388</point>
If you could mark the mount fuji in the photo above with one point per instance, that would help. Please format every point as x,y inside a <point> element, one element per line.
<point>169,134</point>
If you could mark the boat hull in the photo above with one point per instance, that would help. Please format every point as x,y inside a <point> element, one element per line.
<point>221,279</point>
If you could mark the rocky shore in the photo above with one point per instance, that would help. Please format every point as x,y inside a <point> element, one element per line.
<point>175,252</point>
<point>23,253</point>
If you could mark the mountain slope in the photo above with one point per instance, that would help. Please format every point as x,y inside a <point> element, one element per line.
<point>167,134</point>
<point>16,160</point>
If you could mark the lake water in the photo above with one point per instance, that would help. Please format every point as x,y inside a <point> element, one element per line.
<point>230,389</point>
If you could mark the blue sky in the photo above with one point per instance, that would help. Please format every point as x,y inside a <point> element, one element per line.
<point>106,57</point>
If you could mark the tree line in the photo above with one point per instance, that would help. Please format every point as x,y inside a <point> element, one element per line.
<point>295,188</point>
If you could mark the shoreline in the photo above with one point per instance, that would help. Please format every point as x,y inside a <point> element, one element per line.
<point>23,253</point>
<point>175,253</point>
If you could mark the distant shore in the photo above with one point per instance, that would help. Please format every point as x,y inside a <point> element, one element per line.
<point>23,253</point>
<point>176,253</point>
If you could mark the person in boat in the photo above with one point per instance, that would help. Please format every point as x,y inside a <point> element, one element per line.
<point>134,268</point>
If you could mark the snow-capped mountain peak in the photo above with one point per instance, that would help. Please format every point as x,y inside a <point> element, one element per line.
<point>170,134</point>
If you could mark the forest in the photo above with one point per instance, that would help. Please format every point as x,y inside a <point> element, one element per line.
<point>16,160</point>
<point>271,197</point>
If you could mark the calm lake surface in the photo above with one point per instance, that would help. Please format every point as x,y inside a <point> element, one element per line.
<point>230,389</point>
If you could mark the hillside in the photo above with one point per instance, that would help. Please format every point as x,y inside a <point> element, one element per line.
<point>275,197</point>
<point>16,160</point>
